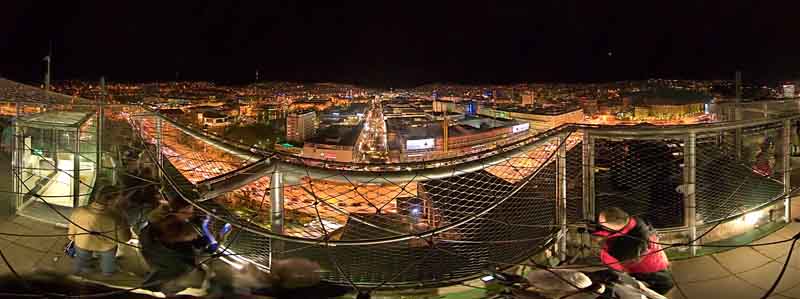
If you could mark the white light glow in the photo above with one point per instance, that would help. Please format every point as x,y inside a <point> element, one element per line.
<point>753,217</point>
<point>64,170</point>
<point>233,264</point>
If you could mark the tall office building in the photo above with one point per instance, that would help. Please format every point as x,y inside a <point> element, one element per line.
<point>301,126</point>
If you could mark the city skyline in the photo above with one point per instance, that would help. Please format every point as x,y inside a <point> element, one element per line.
<point>381,45</point>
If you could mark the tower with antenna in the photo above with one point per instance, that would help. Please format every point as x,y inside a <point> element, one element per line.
<point>48,58</point>
<point>256,76</point>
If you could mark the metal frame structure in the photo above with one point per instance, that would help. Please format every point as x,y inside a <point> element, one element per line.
<point>76,148</point>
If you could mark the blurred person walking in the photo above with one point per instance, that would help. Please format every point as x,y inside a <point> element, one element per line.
<point>573,284</point>
<point>170,245</point>
<point>97,229</point>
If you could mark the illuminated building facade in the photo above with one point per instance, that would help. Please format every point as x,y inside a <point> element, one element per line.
<point>213,119</point>
<point>667,112</point>
<point>301,126</point>
<point>315,104</point>
<point>528,98</point>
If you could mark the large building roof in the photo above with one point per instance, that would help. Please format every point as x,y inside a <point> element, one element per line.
<point>10,90</point>
<point>471,126</point>
<point>550,110</point>
<point>337,135</point>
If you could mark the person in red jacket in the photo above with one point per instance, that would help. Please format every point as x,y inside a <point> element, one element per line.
<point>631,246</point>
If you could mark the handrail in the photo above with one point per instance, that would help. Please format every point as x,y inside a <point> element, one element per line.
<point>674,130</point>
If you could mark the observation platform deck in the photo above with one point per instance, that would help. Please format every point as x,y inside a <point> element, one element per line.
<point>435,226</point>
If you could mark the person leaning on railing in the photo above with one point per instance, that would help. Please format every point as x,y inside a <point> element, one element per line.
<point>96,228</point>
<point>630,245</point>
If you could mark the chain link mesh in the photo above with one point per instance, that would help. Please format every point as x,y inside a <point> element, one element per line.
<point>642,176</point>
<point>728,183</point>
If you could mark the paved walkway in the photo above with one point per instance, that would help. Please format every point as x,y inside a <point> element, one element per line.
<point>29,255</point>
<point>746,272</point>
<point>738,273</point>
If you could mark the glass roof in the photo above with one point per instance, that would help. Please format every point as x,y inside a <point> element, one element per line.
<point>57,118</point>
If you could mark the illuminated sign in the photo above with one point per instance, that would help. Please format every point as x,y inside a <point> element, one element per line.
<point>471,108</point>
<point>420,144</point>
<point>326,155</point>
<point>520,128</point>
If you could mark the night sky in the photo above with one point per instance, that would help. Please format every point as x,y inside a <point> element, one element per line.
<point>401,43</point>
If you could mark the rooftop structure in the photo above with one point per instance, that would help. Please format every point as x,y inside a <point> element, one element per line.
<point>540,119</point>
<point>56,160</point>
<point>333,143</point>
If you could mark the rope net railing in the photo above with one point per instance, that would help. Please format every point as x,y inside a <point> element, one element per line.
<point>727,182</point>
<point>641,176</point>
<point>519,191</point>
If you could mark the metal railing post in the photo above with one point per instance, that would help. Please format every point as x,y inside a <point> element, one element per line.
<point>690,208</point>
<point>76,170</point>
<point>159,157</point>
<point>99,129</point>
<point>588,176</point>
<point>276,212</point>
<point>17,160</point>
<point>787,170</point>
<point>737,138</point>
<point>561,194</point>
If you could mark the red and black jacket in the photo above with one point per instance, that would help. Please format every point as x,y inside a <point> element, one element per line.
<point>633,249</point>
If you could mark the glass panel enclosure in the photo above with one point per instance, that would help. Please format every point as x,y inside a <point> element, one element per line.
<point>55,159</point>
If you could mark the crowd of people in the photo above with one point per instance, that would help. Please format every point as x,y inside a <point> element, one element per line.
<point>174,244</point>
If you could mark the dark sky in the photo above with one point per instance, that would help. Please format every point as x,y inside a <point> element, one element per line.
<point>401,43</point>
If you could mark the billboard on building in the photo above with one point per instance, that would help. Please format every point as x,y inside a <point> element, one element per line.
<point>420,144</point>
<point>520,128</point>
<point>472,108</point>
